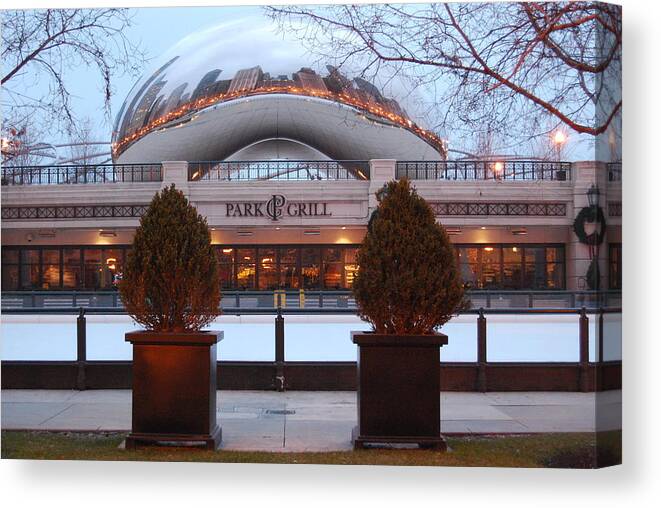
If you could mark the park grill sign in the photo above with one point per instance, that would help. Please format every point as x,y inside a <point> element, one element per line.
<point>276,208</point>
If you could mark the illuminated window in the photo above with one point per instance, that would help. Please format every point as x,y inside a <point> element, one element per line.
<point>268,268</point>
<point>245,268</point>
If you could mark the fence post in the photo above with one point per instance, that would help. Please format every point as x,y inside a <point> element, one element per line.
<point>279,351</point>
<point>600,357</point>
<point>584,338</point>
<point>481,352</point>
<point>81,354</point>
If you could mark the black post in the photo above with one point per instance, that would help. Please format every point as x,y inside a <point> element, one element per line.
<point>279,351</point>
<point>600,357</point>
<point>584,349</point>
<point>481,352</point>
<point>81,355</point>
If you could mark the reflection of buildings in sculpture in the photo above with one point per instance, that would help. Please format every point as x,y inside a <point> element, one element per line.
<point>144,106</point>
<point>219,87</point>
<point>370,91</point>
<point>201,90</point>
<point>174,99</point>
<point>127,115</point>
<point>246,79</point>
<point>280,81</point>
<point>336,82</point>
<point>308,79</point>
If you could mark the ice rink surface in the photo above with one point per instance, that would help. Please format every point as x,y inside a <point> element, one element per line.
<point>510,338</point>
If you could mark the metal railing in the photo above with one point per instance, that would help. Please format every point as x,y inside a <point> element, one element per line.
<point>614,171</point>
<point>81,174</point>
<point>278,170</point>
<point>484,170</point>
<point>297,301</point>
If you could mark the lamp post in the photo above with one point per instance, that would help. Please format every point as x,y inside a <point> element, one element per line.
<point>559,139</point>
<point>593,194</point>
<point>593,201</point>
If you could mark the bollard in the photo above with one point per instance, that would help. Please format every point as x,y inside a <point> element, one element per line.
<point>584,351</point>
<point>481,352</point>
<point>279,351</point>
<point>81,354</point>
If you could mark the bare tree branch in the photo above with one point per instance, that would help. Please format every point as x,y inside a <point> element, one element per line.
<point>538,63</point>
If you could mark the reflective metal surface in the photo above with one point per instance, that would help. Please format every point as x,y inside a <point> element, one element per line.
<point>226,65</point>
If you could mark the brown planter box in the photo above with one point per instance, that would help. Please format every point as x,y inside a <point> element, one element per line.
<point>174,388</point>
<point>399,389</point>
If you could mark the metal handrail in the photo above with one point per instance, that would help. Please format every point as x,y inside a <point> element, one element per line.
<point>298,170</point>
<point>484,170</point>
<point>312,301</point>
<point>82,174</point>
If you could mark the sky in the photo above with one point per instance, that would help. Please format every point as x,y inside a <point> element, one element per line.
<point>245,40</point>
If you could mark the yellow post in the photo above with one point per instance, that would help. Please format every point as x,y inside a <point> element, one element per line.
<point>301,298</point>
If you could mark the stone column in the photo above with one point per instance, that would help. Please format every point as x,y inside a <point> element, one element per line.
<point>381,172</point>
<point>176,172</point>
<point>584,174</point>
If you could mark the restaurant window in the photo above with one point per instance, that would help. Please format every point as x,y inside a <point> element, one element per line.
<point>72,277</point>
<point>350,266</point>
<point>112,267</point>
<point>555,268</point>
<point>225,257</point>
<point>490,278</point>
<point>333,266</point>
<point>512,267</point>
<point>615,266</point>
<point>535,268</point>
<point>245,268</point>
<point>92,269</point>
<point>310,267</point>
<point>268,269</point>
<point>289,272</point>
<point>10,269</point>
<point>468,264</point>
<point>30,269</point>
<point>50,259</point>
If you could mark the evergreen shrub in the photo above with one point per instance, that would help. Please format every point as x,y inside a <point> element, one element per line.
<point>170,281</point>
<point>407,281</point>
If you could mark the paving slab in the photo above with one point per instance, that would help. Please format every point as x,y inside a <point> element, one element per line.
<point>29,414</point>
<point>317,421</point>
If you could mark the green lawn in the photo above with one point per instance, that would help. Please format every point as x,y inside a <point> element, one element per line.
<point>542,450</point>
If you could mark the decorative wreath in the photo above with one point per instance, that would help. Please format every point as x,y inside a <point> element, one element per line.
<point>590,214</point>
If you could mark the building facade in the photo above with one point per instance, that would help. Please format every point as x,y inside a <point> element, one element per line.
<point>297,225</point>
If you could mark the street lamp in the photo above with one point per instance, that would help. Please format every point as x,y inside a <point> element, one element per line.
<point>559,139</point>
<point>593,195</point>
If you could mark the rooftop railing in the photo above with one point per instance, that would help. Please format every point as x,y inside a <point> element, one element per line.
<point>82,174</point>
<point>297,301</point>
<point>278,170</point>
<point>484,170</point>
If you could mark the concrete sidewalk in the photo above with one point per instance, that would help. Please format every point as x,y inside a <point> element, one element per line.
<point>317,421</point>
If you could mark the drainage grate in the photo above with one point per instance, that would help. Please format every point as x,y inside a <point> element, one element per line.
<point>280,412</point>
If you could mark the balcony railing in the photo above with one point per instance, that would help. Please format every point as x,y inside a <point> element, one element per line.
<point>484,170</point>
<point>81,174</point>
<point>278,170</point>
<point>296,301</point>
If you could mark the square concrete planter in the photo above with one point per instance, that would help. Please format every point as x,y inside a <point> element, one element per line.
<point>399,389</point>
<point>174,388</point>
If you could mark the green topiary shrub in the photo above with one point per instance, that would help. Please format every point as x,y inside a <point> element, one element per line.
<point>407,280</point>
<point>170,282</point>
